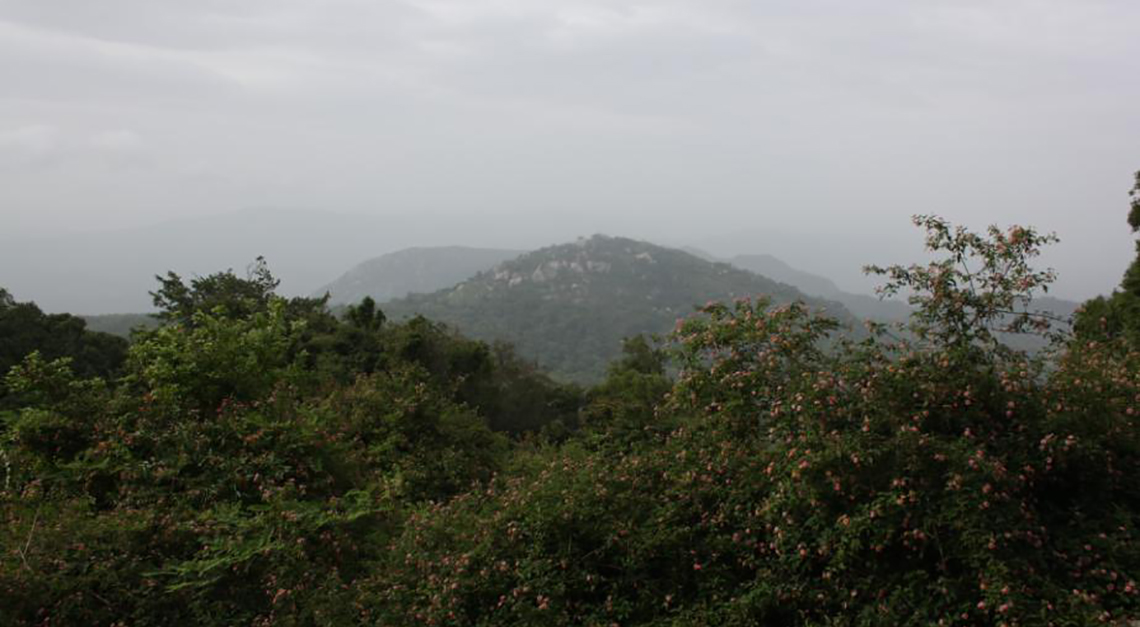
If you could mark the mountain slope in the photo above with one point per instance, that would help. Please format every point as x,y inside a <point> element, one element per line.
<point>412,270</point>
<point>112,271</point>
<point>864,305</point>
<point>120,324</point>
<point>776,269</point>
<point>569,306</point>
<point>861,305</point>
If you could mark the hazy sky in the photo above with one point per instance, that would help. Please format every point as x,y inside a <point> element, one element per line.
<point>735,125</point>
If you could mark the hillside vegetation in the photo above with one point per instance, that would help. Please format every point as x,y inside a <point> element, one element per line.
<point>568,307</point>
<point>119,324</point>
<point>412,270</point>
<point>24,329</point>
<point>258,461</point>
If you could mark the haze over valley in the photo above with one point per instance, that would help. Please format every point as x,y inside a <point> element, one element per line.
<point>194,138</point>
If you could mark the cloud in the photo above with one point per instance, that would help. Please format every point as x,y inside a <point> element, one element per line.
<point>802,115</point>
<point>29,146</point>
<point>117,141</point>
<point>36,139</point>
<point>45,148</point>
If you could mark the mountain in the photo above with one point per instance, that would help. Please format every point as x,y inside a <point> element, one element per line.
<point>112,271</point>
<point>568,307</point>
<point>866,306</point>
<point>862,305</point>
<point>773,268</point>
<point>1057,306</point>
<point>120,324</point>
<point>412,270</point>
<point>872,308</point>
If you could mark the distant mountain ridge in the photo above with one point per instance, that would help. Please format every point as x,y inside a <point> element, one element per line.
<point>862,305</point>
<point>776,269</point>
<point>120,324</point>
<point>412,270</point>
<point>112,271</point>
<point>569,306</point>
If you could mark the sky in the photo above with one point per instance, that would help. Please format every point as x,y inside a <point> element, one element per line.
<point>808,129</point>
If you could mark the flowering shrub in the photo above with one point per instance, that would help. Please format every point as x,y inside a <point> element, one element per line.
<point>980,287</point>
<point>785,477</point>
<point>942,480</point>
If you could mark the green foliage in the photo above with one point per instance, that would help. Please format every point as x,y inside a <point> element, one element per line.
<point>365,315</point>
<point>259,463</point>
<point>1116,318</point>
<point>195,368</point>
<point>1134,211</point>
<point>225,294</point>
<point>622,410</point>
<point>945,482</point>
<point>224,478</point>
<point>569,307</point>
<point>58,423</point>
<point>981,288</point>
<point>25,329</point>
<point>237,297</point>
<point>514,395</point>
<point>426,446</point>
<point>519,397</point>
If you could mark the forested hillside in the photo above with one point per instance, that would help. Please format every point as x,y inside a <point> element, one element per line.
<point>256,460</point>
<point>569,313</point>
<point>412,270</point>
<point>24,329</point>
<point>119,324</point>
<point>568,307</point>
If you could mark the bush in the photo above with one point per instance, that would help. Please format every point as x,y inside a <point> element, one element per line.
<point>926,475</point>
<point>945,479</point>
<point>218,482</point>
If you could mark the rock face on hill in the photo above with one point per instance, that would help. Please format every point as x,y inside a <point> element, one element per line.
<point>569,306</point>
<point>412,270</point>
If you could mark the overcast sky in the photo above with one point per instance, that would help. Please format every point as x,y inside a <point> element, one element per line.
<point>736,125</point>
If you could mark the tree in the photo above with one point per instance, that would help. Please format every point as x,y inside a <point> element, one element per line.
<point>25,329</point>
<point>366,315</point>
<point>214,483</point>
<point>981,288</point>
<point>1117,317</point>
<point>237,297</point>
<point>943,481</point>
<point>623,407</point>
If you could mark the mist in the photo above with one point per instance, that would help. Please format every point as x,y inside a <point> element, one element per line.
<point>139,137</point>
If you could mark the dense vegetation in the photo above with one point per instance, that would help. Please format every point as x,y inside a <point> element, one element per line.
<point>1117,317</point>
<point>568,307</point>
<point>259,461</point>
<point>24,328</point>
